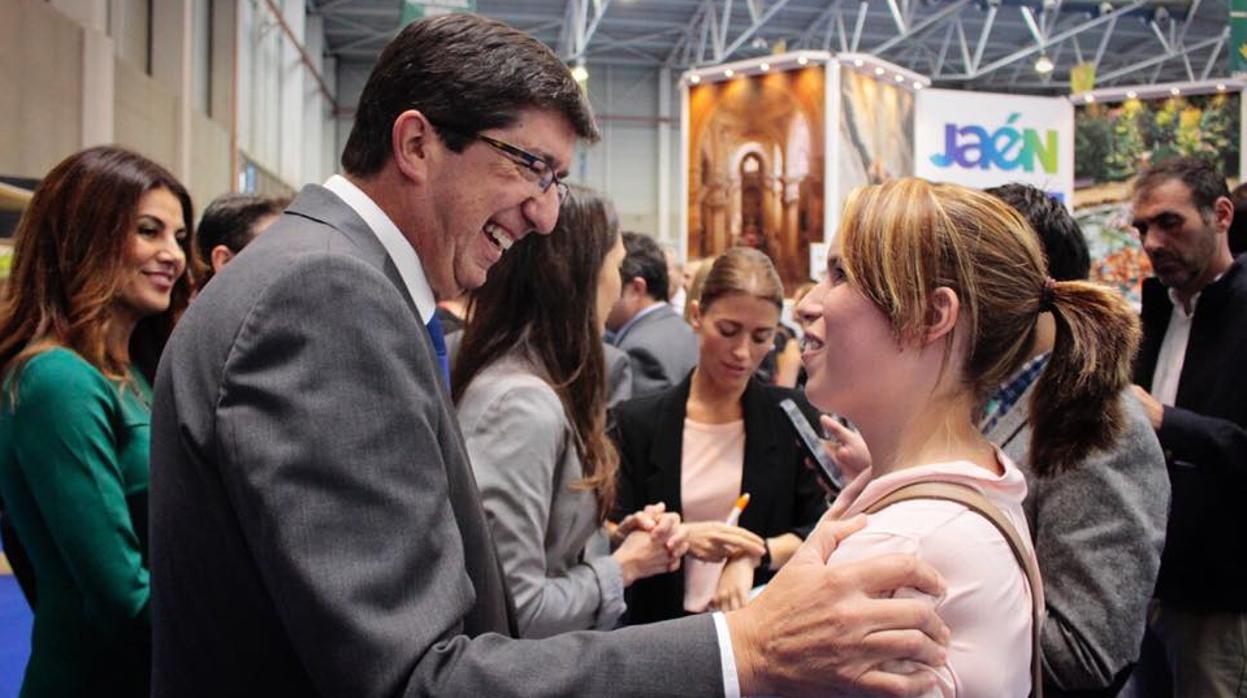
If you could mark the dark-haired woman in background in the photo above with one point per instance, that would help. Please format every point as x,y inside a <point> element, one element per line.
<point>530,386</point>
<point>697,447</point>
<point>98,281</point>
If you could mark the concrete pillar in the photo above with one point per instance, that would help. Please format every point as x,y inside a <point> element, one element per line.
<point>172,63</point>
<point>664,157</point>
<point>296,84</point>
<point>91,14</point>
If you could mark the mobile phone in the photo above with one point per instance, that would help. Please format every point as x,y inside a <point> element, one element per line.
<point>813,444</point>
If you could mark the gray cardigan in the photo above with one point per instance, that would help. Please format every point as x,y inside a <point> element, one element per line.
<point>1098,531</point>
<point>521,446</point>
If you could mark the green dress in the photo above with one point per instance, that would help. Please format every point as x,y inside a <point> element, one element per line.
<point>73,481</point>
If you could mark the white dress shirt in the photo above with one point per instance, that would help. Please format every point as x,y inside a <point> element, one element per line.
<point>1173,348</point>
<point>412,273</point>
<point>396,246</point>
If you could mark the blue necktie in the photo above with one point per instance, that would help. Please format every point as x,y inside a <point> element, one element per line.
<point>439,345</point>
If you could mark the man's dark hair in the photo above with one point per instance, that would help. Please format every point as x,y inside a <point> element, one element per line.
<point>1238,226</point>
<point>1063,242</point>
<point>466,74</point>
<point>230,220</point>
<point>1205,181</point>
<point>644,258</point>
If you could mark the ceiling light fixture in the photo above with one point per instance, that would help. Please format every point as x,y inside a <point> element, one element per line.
<point>1132,95</point>
<point>1044,65</point>
<point>694,78</point>
<point>802,60</point>
<point>765,67</point>
<point>728,73</point>
<point>580,73</point>
<point>1174,91</point>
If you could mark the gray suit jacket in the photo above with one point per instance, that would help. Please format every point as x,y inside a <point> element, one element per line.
<point>1099,531</point>
<point>618,375</point>
<point>523,451</point>
<point>662,348</point>
<point>315,527</point>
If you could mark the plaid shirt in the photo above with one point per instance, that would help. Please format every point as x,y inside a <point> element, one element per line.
<point>1009,393</point>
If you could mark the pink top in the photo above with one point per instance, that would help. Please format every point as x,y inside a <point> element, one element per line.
<point>988,604</point>
<point>711,463</point>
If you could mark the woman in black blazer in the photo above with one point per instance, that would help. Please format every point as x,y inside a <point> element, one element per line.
<point>737,439</point>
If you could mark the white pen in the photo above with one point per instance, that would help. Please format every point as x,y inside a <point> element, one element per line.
<point>741,502</point>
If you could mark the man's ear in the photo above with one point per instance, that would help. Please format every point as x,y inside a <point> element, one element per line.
<point>943,310</point>
<point>221,255</point>
<point>412,139</point>
<point>1222,213</point>
<point>694,315</point>
<point>633,288</point>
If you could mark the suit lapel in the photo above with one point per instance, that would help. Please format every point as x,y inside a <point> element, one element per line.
<point>761,453</point>
<point>484,566</point>
<point>1157,309</point>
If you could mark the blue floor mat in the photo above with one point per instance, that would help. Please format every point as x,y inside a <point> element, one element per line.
<point>15,620</point>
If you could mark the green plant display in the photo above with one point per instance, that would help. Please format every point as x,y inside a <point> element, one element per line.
<point>1112,143</point>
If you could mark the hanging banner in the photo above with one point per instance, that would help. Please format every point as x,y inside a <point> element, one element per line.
<point>419,9</point>
<point>1082,78</point>
<point>1238,36</point>
<point>983,139</point>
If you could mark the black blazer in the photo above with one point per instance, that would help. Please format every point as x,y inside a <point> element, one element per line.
<point>784,495</point>
<point>1205,444</point>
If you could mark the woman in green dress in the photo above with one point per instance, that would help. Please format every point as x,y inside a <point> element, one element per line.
<point>97,282</point>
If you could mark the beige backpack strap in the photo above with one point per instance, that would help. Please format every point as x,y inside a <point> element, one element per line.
<point>976,502</point>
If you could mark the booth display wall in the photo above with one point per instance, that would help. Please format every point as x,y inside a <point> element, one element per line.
<point>876,140</point>
<point>756,166</point>
<point>1113,142</point>
<point>983,139</point>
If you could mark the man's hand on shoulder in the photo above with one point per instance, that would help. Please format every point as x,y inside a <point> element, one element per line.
<point>827,630</point>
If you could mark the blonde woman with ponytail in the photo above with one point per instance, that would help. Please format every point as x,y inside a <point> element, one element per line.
<point>931,302</point>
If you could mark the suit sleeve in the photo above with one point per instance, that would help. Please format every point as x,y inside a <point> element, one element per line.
<point>1204,441</point>
<point>328,422</point>
<point>629,491</point>
<point>619,367</point>
<point>1099,533</point>
<point>516,447</point>
<point>66,438</point>
<point>648,373</point>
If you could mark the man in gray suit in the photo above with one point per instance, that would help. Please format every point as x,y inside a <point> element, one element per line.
<point>659,343</point>
<point>1099,528</point>
<point>315,528</point>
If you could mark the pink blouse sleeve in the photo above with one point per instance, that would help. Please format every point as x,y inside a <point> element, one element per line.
<point>987,605</point>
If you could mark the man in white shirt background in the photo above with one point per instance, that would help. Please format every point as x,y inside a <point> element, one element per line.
<point>1191,382</point>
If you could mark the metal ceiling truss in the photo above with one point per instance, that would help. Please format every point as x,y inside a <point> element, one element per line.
<point>975,44</point>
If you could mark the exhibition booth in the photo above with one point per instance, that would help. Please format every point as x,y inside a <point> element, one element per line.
<point>772,146</point>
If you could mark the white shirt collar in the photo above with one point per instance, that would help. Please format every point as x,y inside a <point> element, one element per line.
<point>1177,302</point>
<point>400,250</point>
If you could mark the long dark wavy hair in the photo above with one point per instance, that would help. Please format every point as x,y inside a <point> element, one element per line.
<point>69,259</point>
<point>542,296</point>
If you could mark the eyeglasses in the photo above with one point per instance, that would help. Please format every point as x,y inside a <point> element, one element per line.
<point>535,164</point>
